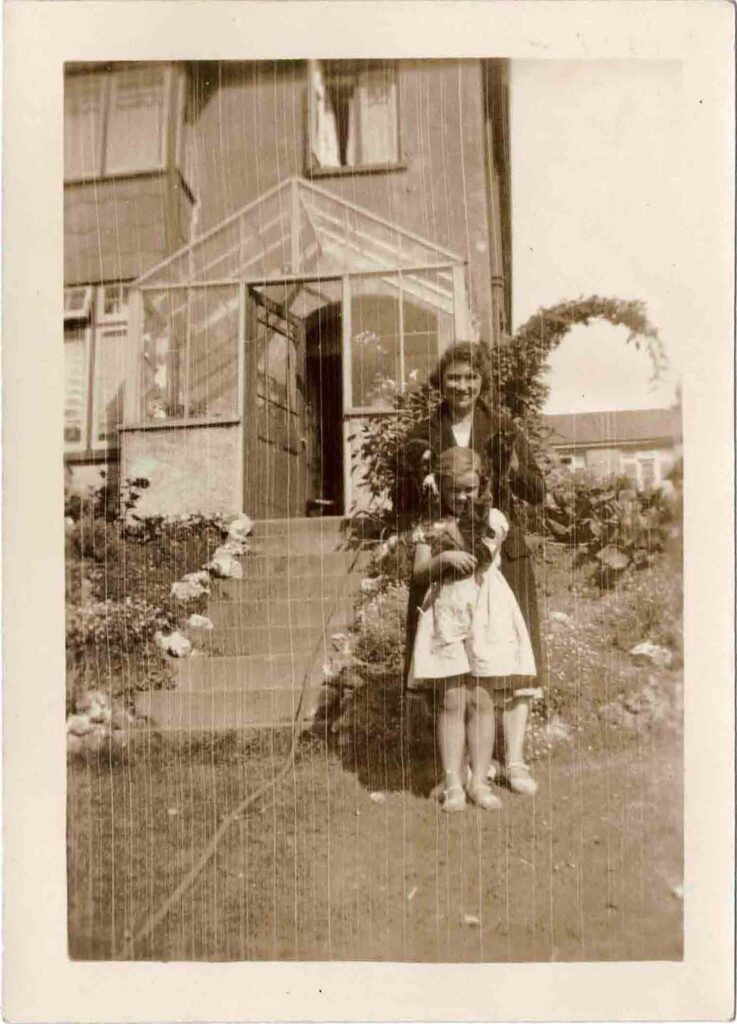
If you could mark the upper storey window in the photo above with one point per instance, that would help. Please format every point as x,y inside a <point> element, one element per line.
<point>353,115</point>
<point>115,122</point>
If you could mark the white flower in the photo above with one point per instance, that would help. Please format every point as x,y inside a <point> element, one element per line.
<point>199,622</point>
<point>174,644</point>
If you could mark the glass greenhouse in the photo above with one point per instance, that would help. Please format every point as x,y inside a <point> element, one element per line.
<point>258,351</point>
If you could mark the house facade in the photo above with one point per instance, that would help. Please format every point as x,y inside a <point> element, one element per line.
<point>642,444</point>
<point>260,255</point>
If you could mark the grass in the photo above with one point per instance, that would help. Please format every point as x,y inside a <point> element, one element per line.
<point>323,868</point>
<point>319,871</point>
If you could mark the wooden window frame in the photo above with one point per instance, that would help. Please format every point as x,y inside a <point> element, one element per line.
<point>168,153</point>
<point>313,167</point>
<point>95,324</point>
<point>81,446</point>
<point>84,310</point>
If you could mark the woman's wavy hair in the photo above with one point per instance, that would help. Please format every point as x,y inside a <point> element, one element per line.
<point>472,352</point>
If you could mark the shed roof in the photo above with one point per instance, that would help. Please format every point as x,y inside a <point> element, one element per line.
<point>613,427</point>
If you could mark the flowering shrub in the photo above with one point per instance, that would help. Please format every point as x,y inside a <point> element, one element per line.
<point>119,576</point>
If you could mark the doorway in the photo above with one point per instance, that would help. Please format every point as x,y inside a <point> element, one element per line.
<point>324,403</point>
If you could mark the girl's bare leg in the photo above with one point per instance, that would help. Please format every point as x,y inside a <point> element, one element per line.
<point>480,734</point>
<point>452,731</point>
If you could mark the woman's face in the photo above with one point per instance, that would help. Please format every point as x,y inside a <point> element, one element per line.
<point>457,492</point>
<point>461,386</point>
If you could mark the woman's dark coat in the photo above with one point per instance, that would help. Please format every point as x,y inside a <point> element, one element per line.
<point>495,438</point>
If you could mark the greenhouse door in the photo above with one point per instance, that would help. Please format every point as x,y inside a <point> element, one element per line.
<point>276,446</point>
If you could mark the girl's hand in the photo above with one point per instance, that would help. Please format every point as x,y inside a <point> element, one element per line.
<point>462,562</point>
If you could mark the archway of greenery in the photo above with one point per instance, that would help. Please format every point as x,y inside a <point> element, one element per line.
<point>517,378</point>
<point>518,366</point>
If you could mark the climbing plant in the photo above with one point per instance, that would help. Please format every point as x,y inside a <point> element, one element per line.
<point>518,366</point>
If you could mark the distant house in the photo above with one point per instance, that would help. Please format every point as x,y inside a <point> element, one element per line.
<point>642,444</point>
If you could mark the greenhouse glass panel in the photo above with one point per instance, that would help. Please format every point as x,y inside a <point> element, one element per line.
<point>212,364</point>
<point>376,347</point>
<point>163,352</point>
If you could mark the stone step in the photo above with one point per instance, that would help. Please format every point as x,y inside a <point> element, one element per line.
<point>311,610</point>
<point>287,566</point>
<point>260,588</point>
<point>281,639</point>
<point>220,710</point>
<point>299,536</point>
<point>299,524</point>
<point>297,544</point>
<point>286,670</point>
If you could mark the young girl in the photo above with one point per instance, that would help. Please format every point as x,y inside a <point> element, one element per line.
<point>471,644</point>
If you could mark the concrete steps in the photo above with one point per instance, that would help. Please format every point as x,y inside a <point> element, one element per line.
<point>294,588</point>
<point>268,640</point>
<point>237,671</point>
<point>276,613</point>
<point>272,632</point>
<point>223,711</point>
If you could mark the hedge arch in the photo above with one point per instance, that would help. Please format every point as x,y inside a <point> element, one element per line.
<point>518,366</point>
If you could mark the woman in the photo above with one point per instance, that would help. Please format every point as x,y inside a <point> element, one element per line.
<point>464,419</point>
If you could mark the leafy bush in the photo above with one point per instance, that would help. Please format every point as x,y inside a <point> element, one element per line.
<point>379,629</point>
<point>612,526</point>
<point>380,443</point>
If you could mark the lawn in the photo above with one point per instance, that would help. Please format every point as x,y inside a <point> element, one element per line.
<point>347,857</point>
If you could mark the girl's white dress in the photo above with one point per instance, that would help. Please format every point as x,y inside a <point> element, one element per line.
<point>472,625</point>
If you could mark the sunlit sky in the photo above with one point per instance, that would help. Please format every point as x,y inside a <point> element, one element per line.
<point>596,150</point>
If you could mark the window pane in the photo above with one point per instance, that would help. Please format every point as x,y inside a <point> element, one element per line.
<point>115,301</point>
<point>110,349</point>
<point>377,99</point>
<point>375,346</point>
<point>354,114</point>
<point>136,120</point>
<point>75,387</point>
<point>428,328</point>
<point>647,471</point>
<point>213,352</point>
<point>77,302</point>
<point>83,112</point>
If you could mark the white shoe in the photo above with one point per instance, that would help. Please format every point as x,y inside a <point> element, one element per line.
<point>518,778</point>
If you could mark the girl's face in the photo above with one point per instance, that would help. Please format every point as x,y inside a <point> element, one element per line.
<point>461,386</point>
<point>456,493</point>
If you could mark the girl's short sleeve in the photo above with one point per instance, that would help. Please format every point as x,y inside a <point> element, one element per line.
<point>419,535</point>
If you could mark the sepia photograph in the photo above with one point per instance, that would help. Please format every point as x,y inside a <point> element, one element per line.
<point>373,535</point>
<point>369,537</point>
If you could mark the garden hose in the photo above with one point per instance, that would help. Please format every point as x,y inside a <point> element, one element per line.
<point>207,854</point>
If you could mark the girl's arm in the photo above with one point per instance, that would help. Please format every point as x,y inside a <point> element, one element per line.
<point>498,529</point>
<point>429,568</point>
